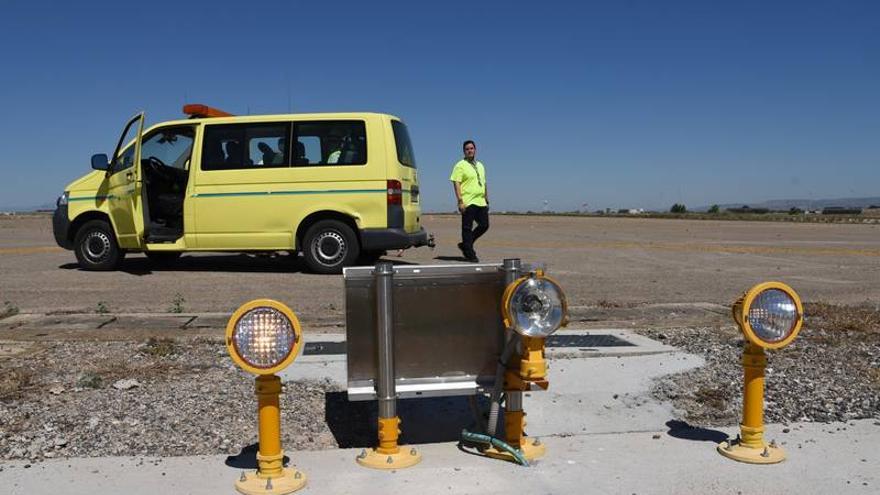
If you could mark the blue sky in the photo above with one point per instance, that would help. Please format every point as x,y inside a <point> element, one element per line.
<point>613,104</point>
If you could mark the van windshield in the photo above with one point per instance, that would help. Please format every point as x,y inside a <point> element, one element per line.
<point>405,154</point>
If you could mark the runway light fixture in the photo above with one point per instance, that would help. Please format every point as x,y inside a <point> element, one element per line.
<point>770,316</point>
<point>534,306</point>
<point>263,337</point>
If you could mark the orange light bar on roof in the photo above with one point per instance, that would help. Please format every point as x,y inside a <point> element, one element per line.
<point>198,111</point>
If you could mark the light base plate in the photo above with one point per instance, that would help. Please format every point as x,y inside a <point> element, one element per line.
<point>408,456</point>
<point>738,452</point>
<point>252,483</point>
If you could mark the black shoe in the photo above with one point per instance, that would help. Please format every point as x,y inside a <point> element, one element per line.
<point>461,248</point>
<point>472,258</point>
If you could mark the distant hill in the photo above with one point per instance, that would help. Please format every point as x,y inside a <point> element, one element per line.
<point>804,204</point>
<point>28,208</point>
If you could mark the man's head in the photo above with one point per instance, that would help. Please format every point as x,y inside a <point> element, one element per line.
<point>470,149</point>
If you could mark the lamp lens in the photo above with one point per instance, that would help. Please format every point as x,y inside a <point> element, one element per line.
<point>536,307</point>
<point>263,337</point>
<point>773,315</point>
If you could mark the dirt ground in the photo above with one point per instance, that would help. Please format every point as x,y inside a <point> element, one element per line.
<point>601,262</point>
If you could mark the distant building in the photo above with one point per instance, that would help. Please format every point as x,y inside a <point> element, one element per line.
<point>841,210</point>
<point>747,209</point>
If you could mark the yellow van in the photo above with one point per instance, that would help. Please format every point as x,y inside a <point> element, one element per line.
<point>341,188</point>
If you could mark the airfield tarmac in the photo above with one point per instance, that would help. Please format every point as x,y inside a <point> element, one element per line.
<point>602,263</point>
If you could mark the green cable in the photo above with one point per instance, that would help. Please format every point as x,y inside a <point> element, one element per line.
<point>495,442</point>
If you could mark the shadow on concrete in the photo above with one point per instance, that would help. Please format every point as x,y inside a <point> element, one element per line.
<point>451,258</point>
<point>247,458</point>
<point>424,420</point>
<point>685,431</point>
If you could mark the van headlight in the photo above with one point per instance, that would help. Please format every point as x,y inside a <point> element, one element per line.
<point>534,306</point>
<point>63,199</point>
<point>263,336</point>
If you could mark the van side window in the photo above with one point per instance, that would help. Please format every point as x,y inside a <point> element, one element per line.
<point>245,146</point>
<point>329,143</point>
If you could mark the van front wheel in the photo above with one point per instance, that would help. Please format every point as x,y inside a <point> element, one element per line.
<point>95,247</point>
<point>330,245</point>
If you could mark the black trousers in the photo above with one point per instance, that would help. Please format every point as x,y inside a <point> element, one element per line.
<point>473,213</point>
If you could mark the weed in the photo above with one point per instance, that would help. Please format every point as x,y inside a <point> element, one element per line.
<point>177,303</point>
<point>159,347</point>
<point>89,379</point>
<point>102,308</point>
<point>9,309</point>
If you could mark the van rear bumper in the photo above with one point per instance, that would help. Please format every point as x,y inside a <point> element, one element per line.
<point>61,226</point>
<point>383,239</point>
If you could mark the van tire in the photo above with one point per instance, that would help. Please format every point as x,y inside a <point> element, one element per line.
<point>330,245</point>
<point>163,258</point>
<point>96,248</point>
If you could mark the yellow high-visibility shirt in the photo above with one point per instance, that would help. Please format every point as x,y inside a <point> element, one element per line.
<point>472,180</point>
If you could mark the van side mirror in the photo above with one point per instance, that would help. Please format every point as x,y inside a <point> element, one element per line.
<point>99,162</point>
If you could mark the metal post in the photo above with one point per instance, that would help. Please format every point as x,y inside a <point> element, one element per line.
<point>388,454</point>
<point>385,387</point>
<point>512,271</point>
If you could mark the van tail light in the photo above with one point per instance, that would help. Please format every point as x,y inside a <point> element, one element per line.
<point>395,192</point>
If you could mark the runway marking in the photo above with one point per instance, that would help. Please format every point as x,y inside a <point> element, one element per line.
<point>30,250</point>
<point>691,247</point>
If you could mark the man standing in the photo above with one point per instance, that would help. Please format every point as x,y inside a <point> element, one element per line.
<point>469,181</point>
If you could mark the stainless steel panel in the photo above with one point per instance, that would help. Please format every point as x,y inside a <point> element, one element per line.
<point>447,328</point>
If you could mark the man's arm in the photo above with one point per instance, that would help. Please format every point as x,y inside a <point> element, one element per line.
<point>457,187</point>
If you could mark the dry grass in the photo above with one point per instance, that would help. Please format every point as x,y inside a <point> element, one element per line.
<point>606,304</point>
<point>715,398</point>
<point>837,318</point>
<point>9,309</point>
<point>161,347</point>
<point>13,382</point>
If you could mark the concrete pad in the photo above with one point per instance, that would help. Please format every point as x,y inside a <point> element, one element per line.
<point>597,443</point>
<point>606,463</point>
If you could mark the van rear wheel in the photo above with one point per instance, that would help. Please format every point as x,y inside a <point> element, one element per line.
<point>330,245</point>
<point>96,248</point>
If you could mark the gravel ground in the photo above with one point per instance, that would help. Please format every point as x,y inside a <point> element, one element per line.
<point>126,398</point>
<point>185,397</point>
<point>831,372</point>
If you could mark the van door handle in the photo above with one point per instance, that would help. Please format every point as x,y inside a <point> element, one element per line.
<point>129,176</point>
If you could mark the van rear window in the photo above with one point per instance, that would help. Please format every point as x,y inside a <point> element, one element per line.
<point>405,154</point>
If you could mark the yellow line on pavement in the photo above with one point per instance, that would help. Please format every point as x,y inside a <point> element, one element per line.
<point>30,250</point>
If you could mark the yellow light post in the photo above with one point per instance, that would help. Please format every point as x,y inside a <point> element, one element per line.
<point>533,307</point>
<point>263,337</point>
<point>770,316</point>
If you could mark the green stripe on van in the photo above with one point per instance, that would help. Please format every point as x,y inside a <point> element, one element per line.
<point>92,198</point>
<point>288,193</point>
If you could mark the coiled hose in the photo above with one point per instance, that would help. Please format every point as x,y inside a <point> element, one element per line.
<point>495,442</point>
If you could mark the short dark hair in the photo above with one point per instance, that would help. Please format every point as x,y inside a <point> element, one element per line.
<point>464,145</point>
